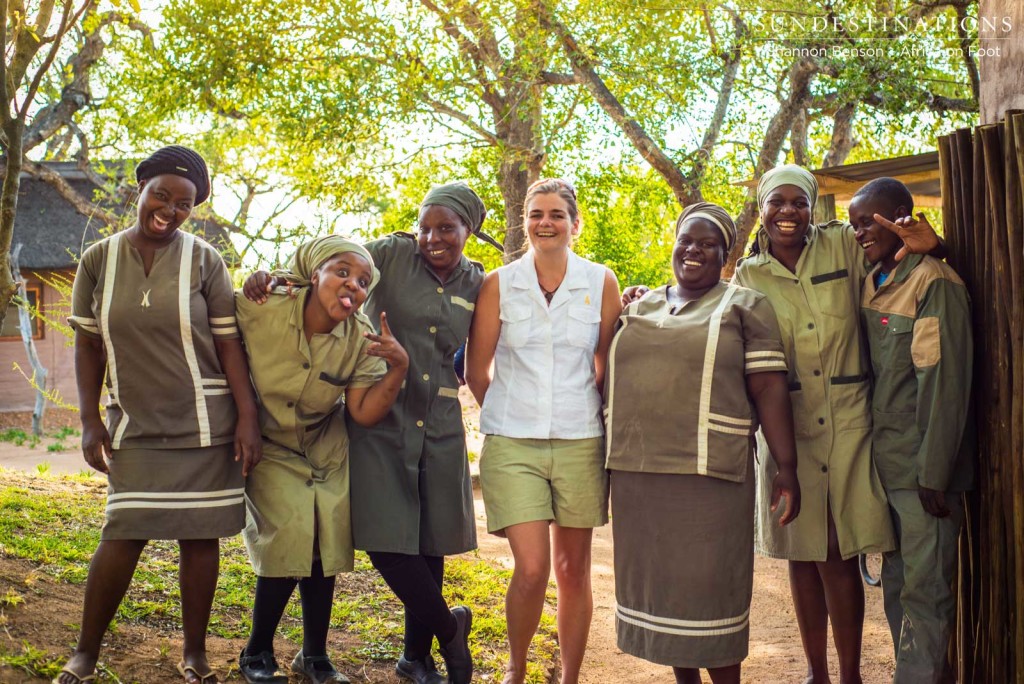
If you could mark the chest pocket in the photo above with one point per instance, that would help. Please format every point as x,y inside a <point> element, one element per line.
<point>896,344</point>
<point>583,326</point>
<point>323,393</point>
<point>832,292</point>
<point>515,325</point>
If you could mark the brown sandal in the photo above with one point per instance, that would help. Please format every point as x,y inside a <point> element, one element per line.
<point>186,670</point>
<point>79,679</point>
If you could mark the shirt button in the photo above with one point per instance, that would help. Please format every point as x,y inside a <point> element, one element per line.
<point>810,326</point>
<point>433,329</point>
<point>426,376</point>
<point>821,421</point>
<point>309,483</point>
<point>291,404</point>
<point>306,366</point>
<point>824,469</point>
<point>440,290</point>
<point>817,372</point>
<point>419,423</point>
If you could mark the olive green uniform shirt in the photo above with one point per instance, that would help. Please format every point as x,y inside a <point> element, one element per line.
<point>677,397</point>
<point>298,495</point>
<point>164,380</point>
<point>818,309</point>
<point>919,332</point>
<point>411,487</point>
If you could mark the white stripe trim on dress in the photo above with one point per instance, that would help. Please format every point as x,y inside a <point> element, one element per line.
<point>208,392</point>
<point>710,351</point>
<point>222,320</point>
<point>764,355</point>
<point>233,330</point>
<point>729,419</point>
<point>731,430</point>
<point>781,365</point>
<point>215,381</point>
<point>185,329</point>
<point>722,622</point>
<point>109,274</point>
<point>235,501</point>
<point>681,631</point>
<point>464,303</point>
<point>179,495</point>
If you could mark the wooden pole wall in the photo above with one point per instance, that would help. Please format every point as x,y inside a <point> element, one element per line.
<point>983,216</point>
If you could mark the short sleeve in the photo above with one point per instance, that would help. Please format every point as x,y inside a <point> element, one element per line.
<point>369,369</point>
<point>83,318</point>
<point>378,249</point>
<point>220,298</point>
<point>762,341</point>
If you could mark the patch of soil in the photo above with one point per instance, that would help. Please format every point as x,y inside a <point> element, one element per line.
<point>53,420</point>
<point>48,621</point>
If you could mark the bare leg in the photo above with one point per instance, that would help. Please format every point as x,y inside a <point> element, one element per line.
<point>531,549</point>
<point>200,564</point>
<point>730,674</point>
<point>110,573</point>
<point>687,675</point>
<point>844,596</point>
<point>571,550</point>
<point>812,618</point>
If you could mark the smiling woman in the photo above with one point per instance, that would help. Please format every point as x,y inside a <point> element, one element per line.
<point>153,314</point>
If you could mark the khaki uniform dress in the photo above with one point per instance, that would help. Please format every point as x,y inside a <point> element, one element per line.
<point>170,414</point>
<point>680,429</point>
<point>919,330</point>
<point>298,495</point>
<point>411,487</point>
<point>818,311</point>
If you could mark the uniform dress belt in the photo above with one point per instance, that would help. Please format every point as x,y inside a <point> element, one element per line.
<point>836,380</point>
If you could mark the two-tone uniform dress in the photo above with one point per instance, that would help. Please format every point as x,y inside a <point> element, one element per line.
<point>298,495</point>
<point>818,309</point>
<point>411,487</point>
<point>170,413</point>
<point>679,437</point>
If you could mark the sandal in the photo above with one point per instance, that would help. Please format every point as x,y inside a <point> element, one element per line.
<point>79,679</point>
<point>186,670</point>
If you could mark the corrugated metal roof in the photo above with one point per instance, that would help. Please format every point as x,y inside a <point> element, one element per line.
<point>920,173</point>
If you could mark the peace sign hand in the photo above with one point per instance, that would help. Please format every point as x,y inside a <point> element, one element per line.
<point>386,346</point>
<point>917,234</point>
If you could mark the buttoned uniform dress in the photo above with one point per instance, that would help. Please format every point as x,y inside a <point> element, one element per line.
<point>919,330</point>
<point>818,313</point>
<point>170,413</point>
<point>298,496</point>
<point>680,428</point>
<point>411,486</point>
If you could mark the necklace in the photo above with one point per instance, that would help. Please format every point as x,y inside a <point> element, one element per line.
<point>548,295</point>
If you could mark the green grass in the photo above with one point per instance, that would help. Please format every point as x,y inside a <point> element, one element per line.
<point>55,522</point>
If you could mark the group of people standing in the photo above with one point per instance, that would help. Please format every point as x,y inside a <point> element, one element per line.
<point>316,411</point>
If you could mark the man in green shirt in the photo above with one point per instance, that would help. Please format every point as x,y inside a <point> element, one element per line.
<point>917,319</point>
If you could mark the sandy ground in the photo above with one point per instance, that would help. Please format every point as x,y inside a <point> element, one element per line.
<point>775,651</point>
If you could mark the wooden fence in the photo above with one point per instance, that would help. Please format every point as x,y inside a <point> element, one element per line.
<point>982,175</point>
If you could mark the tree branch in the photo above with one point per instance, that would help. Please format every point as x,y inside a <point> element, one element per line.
<point>842,136</point>
<point>73,197</point>
<point>553,78</point>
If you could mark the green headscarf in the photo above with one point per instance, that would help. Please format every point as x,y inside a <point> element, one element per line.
<point>311,255</point>
<point>787,174</point>
<point>718,216</point>
<point>461,199</point>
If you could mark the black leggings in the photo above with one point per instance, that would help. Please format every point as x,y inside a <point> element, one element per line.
<point>316,593</point>
<point>417,580</point>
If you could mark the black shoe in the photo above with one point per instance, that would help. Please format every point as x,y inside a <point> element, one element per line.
<point>261,668</point>
<point>318,669</point>
<point>419,671</point>
<point>456,653</point>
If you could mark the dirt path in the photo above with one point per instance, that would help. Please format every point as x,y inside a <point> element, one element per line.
<point>775,651</point>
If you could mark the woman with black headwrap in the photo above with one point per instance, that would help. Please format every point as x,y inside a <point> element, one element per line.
<point>153,312</point>
<point>412,499</point>
<point>708,353</point>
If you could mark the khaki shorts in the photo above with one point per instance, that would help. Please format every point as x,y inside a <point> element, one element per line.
<point>524,480</point>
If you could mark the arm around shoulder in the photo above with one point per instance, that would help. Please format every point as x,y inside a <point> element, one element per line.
<point>483,337</point>
<point>611,309</point>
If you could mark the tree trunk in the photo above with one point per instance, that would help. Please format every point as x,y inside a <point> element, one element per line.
<point>39,371</point>
<point>13,129</point>
<point>518,128</point>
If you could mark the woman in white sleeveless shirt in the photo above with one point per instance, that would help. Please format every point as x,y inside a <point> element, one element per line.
<point>546,322</point>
